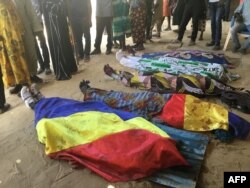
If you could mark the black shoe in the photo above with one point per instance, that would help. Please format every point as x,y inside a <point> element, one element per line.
<point>36,79</point>
<point>210,44</point>
<point>95,52</point>
<point>108,51</point>
<point>5,108</point>
<point>40,70</point>
<point>16,89</point>
<point>48,71</point>
<point>216,47</point>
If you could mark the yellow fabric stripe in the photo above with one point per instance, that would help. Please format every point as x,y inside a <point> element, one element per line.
<point>65,132</point>
<point>204,116</point>
<point>191,78</point>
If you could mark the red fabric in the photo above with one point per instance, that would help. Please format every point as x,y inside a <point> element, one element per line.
<point>173,111</point>
<point>125,156</point>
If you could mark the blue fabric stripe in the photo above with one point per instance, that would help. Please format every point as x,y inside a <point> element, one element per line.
<point>238,126</point>
<point>60,107</point>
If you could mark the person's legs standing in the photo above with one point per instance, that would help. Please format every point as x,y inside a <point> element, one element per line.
<point>218,25</point>
<point>100,25</point>
<point>78,32</point>
<point>234,34</point>
<point>45,53</point>
<point>87,37</point>
<point>39,59</point>
<point>227,10</point>
<point>185,19</point>
<point>195,22</point>
<point>212,9</point>
<point>108,25</point>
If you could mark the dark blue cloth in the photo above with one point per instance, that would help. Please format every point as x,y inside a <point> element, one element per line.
<point>60,107</point>
<point>238,126</point>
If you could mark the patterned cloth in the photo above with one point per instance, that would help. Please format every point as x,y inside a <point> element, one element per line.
<point>180,111</point>
<point>145,104</point>
<point>13,65</point>
<point>138,23</point>
<point>177,63</point>
<point>121,20</point>
<point>161,82</point>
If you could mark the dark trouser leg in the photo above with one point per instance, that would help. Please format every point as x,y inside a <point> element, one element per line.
<point>234,33</point>
<point>100,25</point>
<point>148,26</point>
<point>78,32</point>
<point>2,95</point>
<point>108,24</point>
<point>39,56</point>
<point>227,9</point>
<point>123,43</point>
<point>159,24</point>
<point>213,20</point>
<point>218,24</point>
<point>153,22</point>
<point>195,21</point>
<point>87,38</point>
<point>45,51</point>
<point>185,19</point>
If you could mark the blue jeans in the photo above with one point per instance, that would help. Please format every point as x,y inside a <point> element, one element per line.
<point>227,9</point>
<point>235,39</point>
<point>216,12</point>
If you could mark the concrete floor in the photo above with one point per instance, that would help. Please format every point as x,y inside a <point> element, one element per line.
<point>24,164</point>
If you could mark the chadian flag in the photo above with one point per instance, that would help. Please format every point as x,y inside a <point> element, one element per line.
<point>191,113</point>
<point>117,145</point>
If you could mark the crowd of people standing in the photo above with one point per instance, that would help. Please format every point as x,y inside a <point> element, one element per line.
<point>24,53</point>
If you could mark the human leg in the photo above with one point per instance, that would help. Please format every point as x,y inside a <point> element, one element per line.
<point>78,32</point>
<point>195,22</point>
<point>185,19</point>
<point>245,46</point>
<point>45,53</point>
<point>218,24</point>
<point>99,31</point>
<point>108,26</point>
<point>39,59</point>
<point>87,38</point>
<point>234,34</point>
<point>3,105</point>
<point>212,9</point>
<point>227,10</point>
